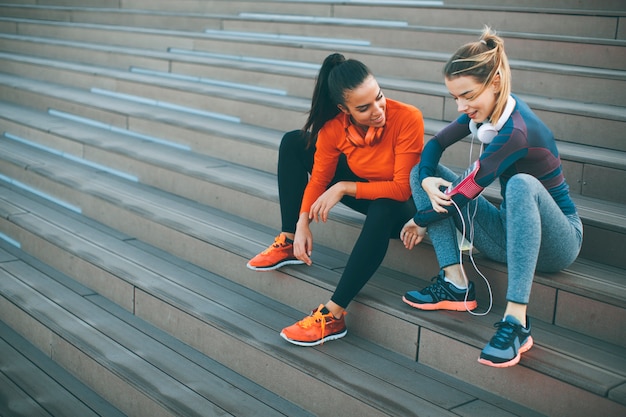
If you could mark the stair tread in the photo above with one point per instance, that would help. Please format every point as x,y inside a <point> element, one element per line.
<point>343,22</point>
<point>116,345</point>
<point>310,70</point>
<point>515,40</point>
<point>199,222</point>
<point>286,101</point>
<point>123,254</point>
<point>214,299</point>
<point>263,185</point>
<point>269,137</point>
<point>37,385</point>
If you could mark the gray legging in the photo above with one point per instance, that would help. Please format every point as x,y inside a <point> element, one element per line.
<point>528,232</point>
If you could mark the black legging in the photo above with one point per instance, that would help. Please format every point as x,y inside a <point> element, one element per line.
<point>384,217</point>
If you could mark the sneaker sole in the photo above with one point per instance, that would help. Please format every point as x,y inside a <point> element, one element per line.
<point>316,342</point>
<point>444,305</point>
<point>273,267</point>
<point>522,349</point>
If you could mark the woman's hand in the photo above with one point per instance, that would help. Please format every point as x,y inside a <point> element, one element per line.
<point>322,206</point>
<point>303,240</point>
<point>438,199</point>
<point>412,234</point>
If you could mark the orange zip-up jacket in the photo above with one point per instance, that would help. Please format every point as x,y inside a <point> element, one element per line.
<point>386,165</point>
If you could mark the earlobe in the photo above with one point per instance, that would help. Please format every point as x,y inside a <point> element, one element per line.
<point>343,109</point>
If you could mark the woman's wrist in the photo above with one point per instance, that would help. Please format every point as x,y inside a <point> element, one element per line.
<point>303,220</point>
<point>347,188</point>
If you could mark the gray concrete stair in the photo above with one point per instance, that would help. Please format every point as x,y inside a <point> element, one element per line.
<point>192,234</point>
<point>212,317</point>
<point>141,370</point>
<point>419,62</point>
<point>32,384</point>
<point>133,219</point>
<point>593,20</point>
<point>585,168</point>
<point>197,133</point>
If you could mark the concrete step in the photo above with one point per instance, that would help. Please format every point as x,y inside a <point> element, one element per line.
<point>325,5</point>
<point>243,144</point>
<point>574,18</point>
<point>34,385</point>
<point>296,78</point>
<point>545,48</point>
<point>145,204</point>
<point>580,83</point>
<point>141,370</point>
<point>221,243</point>
<point>276,109</point>
<point>598,53</point>
<point>225,186</point>
<point>599,23</point>
<point>569,4</point>
<point>228,341</point>
<point>585,167</point>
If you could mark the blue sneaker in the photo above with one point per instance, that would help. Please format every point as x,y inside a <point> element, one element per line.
<point>442,295</point>
<point>507,345</point>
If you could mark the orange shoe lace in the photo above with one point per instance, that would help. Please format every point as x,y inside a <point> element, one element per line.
<point>279,241</point>
<point>316,317</point>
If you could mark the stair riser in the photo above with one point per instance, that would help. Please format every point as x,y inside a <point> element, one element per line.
<point>595,55</point>
<point>585,179</point>
<point>106,383</point>
<point>595,26</point>
<point>203,336</point>
<point>569,53</point>
<point>460,360</point>
<point>324,9</point>
<point>585,88</point>
<point>571,127</point>
<point>197,188</point>
<point>192,248</point>
<point>219,344</point>
<point>209,6</point>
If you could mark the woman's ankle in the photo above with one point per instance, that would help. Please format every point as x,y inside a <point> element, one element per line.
<point>455,275</point>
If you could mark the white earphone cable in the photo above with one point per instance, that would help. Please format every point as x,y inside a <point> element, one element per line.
<point>471,217</point>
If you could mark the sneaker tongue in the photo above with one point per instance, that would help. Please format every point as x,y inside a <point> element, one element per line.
<point>512,320</point>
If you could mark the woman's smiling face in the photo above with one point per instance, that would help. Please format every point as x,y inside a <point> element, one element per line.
<point>366,104</point>
<point>477,104</point>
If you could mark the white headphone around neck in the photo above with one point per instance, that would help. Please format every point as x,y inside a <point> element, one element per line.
<point>487,131</point>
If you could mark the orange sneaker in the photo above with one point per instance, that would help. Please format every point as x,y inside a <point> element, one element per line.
<point>280,253</point>
<point>315,329</point>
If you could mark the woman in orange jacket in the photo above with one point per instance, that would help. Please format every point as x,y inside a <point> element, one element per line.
<point>359,148</point>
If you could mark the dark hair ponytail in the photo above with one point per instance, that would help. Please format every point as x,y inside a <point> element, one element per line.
<point>336,75</point>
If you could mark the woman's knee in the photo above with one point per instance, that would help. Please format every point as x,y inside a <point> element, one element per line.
<point>293,141</point>
<point>522,181</point>
<point>522,185</point>
<point>414,177</point>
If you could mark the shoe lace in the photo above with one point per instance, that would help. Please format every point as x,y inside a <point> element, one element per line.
<point>437,290</point>
<point>504,335</point>
<point>279,241</point>
<point>316,317</point>
<point>313,319</point>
